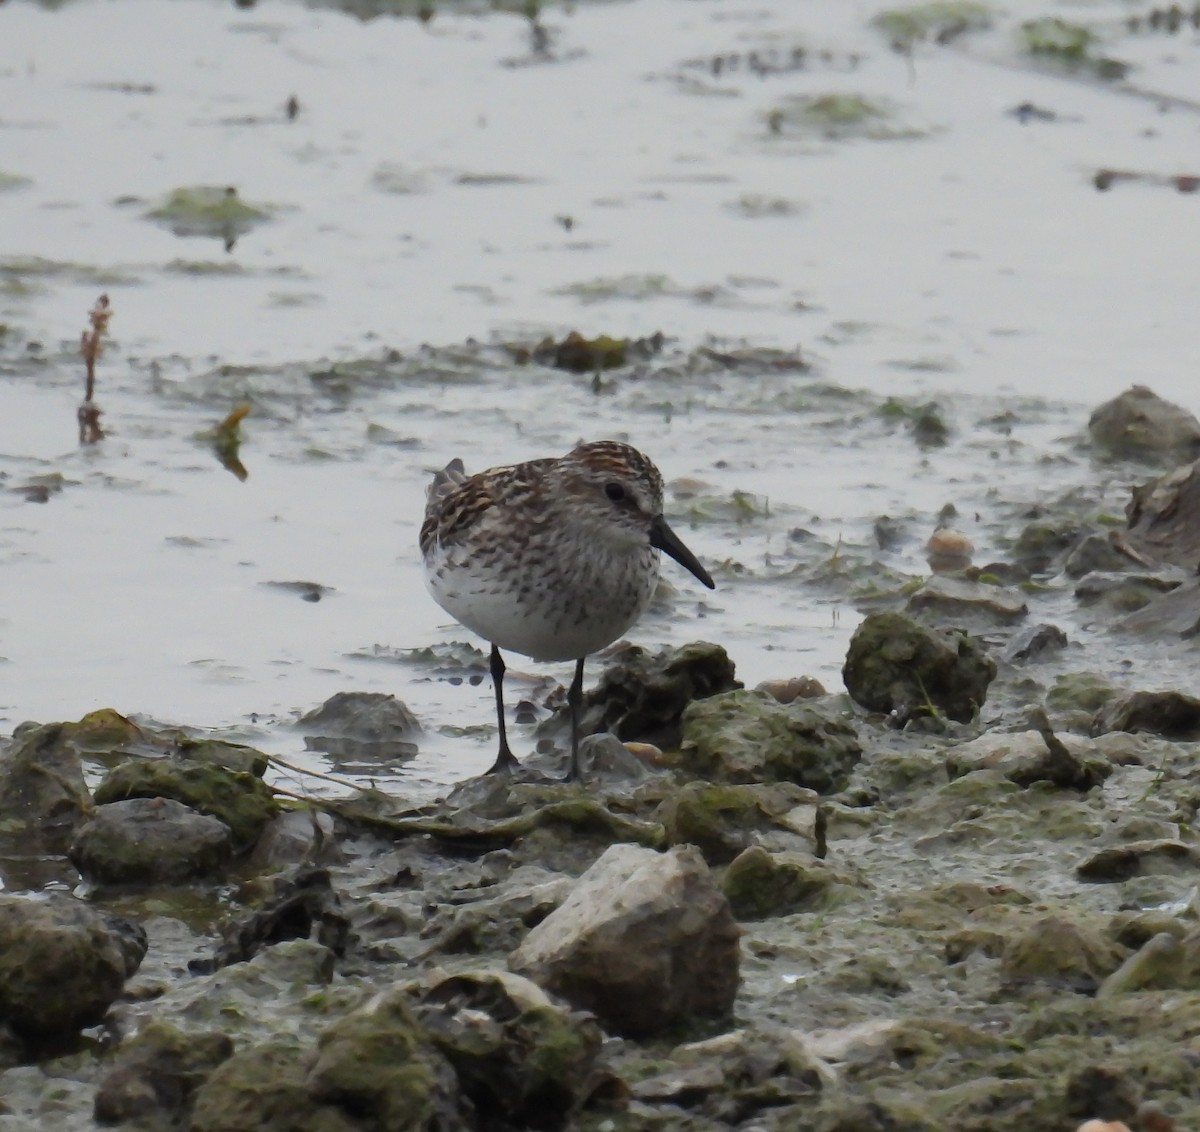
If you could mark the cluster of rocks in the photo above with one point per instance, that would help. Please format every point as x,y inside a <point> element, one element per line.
<point>958,896</point>
<point>628,930</point>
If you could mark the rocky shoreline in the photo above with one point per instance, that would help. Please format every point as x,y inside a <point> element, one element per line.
<point>963,895</point>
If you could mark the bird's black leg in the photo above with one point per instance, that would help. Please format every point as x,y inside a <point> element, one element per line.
<point>574,702</point>
<point>505,760</point>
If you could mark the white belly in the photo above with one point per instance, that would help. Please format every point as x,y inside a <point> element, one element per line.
<point>546,615</point>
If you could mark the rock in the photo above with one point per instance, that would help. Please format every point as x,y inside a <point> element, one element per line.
<point>301,836</point>
<point>641,696</point>
<point>1036,642</point>
<point>723,819</point>
<point>1163,962</point>
<point>897,665</point>
<point>43,797</point>
<point>498,921</point>
<point>1098,1089</point>
<point>759,884</point>
<point>361,725</point>
<point>645,941</point>
<point>889,533</point>
<point>1133,929</point>
<point>793,688</point>
<point>217,752</point>
<point>1175,613</point>
<point>1138,858</point>
<point>1060,954</point>
<point>1095,554</point>
<point>264,1087</point>
<point>1080,692</point>
<point>948,551</point>
<point>748,736</point>
<point>1138,423</point>
<point>1174,715</point>
<point>297,905</point>
<point>736,1073</point>
<point>606,758</point>
<point>378,1065</point>
<point>1163,517</point>
<point>150,841</point>
<point>887,1041</point>
<point>522,1060</point>
<point>62,963</point>
<point>960,601</point>
<point>242,801</point>
<point>104,731</point>
<point>155,1073</point>
<point>1125,593</point>
<point>1043,542</point>
<point>1026,757</point>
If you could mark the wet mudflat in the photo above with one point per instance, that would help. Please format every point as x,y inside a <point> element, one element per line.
<point>892,287</point>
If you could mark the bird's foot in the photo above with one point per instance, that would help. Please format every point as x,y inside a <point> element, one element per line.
<point>506,762</point>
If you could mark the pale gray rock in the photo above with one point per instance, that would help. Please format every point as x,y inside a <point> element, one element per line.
<point>295,837</point>
<point>1025,757</point>
<point>150,841</point>
<point>645,941</point>
<point>1139,422</point>
<point>959,600</point>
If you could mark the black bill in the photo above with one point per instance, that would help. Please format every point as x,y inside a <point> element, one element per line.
<point>666,540</point>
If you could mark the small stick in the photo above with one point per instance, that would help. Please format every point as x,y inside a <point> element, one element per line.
<point>91,346</point>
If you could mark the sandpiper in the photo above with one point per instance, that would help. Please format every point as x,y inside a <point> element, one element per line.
<point>553,558</point>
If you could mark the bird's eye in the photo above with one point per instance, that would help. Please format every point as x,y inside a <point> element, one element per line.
<point>614,491</point>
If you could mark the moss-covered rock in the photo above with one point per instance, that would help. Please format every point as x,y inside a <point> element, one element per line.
<point>1163,962</point>
<point>759,884</point>
<point>43,797</point>
<point>378,1064</point>
<point>263,1087</point>
<point>104,730</point>
<point>578,354</point>
<point>1043,542</point>
<point>723,819</point>
<point>242,801</point>
<point>748,736</point>
<point>1058,953</point>
<point>753,1070</point>
<point>62,963</point>
<point>1080,692</point>
<point>208,210</point>
<point>220,752</point>
<point>939,20</point>
<point>642,696</point>
<point>155,1073</point>
<point>298,904</point>
<point>531,1066</point>
<point>895,664</point>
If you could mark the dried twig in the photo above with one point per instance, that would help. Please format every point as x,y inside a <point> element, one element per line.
<point>91,346</point>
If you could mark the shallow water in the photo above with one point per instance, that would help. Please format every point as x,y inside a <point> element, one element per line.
<point>969,260</point>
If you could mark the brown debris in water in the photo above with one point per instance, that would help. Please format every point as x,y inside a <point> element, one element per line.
<point>91,346</point>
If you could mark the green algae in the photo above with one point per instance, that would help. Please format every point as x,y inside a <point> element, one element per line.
<point>940,20</point>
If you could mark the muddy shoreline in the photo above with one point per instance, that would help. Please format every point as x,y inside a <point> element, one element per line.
<point>977,914</point>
